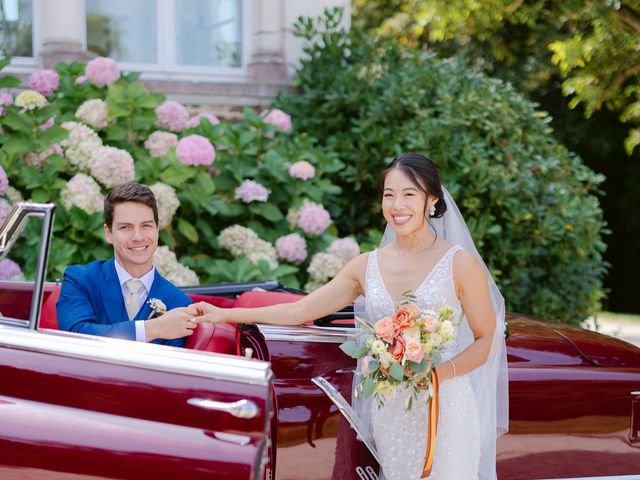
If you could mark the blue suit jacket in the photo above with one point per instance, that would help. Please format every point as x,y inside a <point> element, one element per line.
<point>91,302</point>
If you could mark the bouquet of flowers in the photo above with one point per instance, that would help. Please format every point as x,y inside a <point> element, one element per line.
<point>401,350</point>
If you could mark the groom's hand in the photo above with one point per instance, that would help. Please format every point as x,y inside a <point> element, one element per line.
<point>176,323</point>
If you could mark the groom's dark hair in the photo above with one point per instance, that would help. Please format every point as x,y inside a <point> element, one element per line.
<point>129,192</point>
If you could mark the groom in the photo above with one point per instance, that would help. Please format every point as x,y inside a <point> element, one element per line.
<point>112,298</point>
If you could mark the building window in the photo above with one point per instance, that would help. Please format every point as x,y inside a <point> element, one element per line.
<point>123,30</point>
<point>16,28</point>
<point>171,35</point>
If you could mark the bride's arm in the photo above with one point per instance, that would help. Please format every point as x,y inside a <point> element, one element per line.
<point>342,290</point>
<point>472,288</point>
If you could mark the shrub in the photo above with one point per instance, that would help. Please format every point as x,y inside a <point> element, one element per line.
<point>530,204</point>
<point>90,134</point>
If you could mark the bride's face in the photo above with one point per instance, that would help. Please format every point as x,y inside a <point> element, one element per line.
<point>404,203</point>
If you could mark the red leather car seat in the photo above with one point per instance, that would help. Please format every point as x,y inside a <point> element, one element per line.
<point>207,337</point>
<point>48,316</point>
<point>254,299</point>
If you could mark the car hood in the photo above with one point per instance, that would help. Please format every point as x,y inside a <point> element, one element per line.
<point>600,349</point>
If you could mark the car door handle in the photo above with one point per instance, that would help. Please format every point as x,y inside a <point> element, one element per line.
<point>241,409</point>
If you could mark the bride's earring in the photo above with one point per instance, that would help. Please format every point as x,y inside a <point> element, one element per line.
<point>432,210</point>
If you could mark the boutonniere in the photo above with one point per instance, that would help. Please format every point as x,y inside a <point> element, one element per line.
<point>157,307</point>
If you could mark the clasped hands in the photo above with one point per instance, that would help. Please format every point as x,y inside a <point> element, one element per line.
<point>181,322</point>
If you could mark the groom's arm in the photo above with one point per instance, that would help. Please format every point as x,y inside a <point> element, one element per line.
<point>76,313</point>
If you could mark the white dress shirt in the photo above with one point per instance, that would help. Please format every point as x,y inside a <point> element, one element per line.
<point>143,293</point>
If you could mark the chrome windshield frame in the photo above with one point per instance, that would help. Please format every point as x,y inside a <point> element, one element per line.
<point>11,229</point>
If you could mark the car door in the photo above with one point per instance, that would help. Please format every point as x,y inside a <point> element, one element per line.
<point>74,406</point>
<point>83,407</point>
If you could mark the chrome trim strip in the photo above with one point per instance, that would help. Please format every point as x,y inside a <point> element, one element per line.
<point>306,333</point>
<point>141,355</point>
<point>611,477</point>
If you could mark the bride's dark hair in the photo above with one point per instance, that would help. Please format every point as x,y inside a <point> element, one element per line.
<point>424,175</point>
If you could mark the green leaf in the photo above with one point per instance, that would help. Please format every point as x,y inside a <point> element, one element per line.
<point>396,371</point>
<point>269,211</point>
<point>205,182</point>
<point>19,122</point>
<point>116,133</point>
<point>185,228</point>
<point>9,82</point>
<point>368,387</point>
<point>18,144</point>
<point>349,348</point>
<point>361,352</point>
<point>418,367</point>
<point>53,134</point>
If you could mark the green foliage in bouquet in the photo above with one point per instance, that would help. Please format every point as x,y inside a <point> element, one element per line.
<point>531,205</point>
<point>237,202</point>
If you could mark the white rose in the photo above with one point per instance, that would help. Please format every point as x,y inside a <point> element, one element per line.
<point>385,359</point>
<point>446,330</point>
<point>378,347</point>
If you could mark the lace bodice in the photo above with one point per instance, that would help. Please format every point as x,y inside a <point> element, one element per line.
<point>436,290</point>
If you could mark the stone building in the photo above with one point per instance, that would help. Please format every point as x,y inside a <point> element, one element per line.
<point>214,55</point>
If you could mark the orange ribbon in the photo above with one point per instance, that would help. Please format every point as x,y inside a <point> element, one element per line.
<point>433,427</point>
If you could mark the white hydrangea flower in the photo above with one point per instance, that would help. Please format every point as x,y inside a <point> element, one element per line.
<point>83,192</point>
<point>94,112</point>
<point>167,264</point>
<point>81,144</point>
<point>324,266</point>
<point>167,201</point>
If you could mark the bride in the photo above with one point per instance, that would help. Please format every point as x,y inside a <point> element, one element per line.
<point>427,249</point>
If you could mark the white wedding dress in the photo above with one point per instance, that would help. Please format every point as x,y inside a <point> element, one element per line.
<point>400,435</point>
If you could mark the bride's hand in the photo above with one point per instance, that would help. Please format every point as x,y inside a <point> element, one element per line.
<point>199,309</point>
<point>212,315</point>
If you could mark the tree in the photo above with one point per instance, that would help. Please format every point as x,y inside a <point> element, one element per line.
<point>591,44</point>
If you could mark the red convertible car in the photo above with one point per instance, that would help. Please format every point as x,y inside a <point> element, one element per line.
<point>240,402</point>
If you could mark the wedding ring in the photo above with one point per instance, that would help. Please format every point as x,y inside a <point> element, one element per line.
<point>193,320</point>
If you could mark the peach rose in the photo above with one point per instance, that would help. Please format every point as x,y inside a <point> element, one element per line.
<point>430,323</point>
<point>384,329</point>
<point>414,352</point>
<point>402,318</point>
<point>397,349</point>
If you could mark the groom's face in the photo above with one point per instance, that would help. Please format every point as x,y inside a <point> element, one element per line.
<point>134,236</point>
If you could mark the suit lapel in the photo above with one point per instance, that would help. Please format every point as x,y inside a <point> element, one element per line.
<point>111,294</point>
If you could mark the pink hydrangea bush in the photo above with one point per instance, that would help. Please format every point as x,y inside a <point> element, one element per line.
<point>37,160</point>
<point>160,142</point>
<point>278,118</point>
<point>102,71</point>
<point>302,170</point>
<point>30,100</point>
<point>243,242</point>
<point>5,99</point>
<point>195,150</point>
<point>5,208</point>
<point>44,81</point>
<point>345,248</point>
<point>195,120</point>
<point>48,124</point>
<point>112,166</point>
<point>292,248</point>
<point>251,191</point>
<point>10,270</point>
<point>313,218</point>
<point>322,268</point>
<point>172,115</point>
<point>4,181</point>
